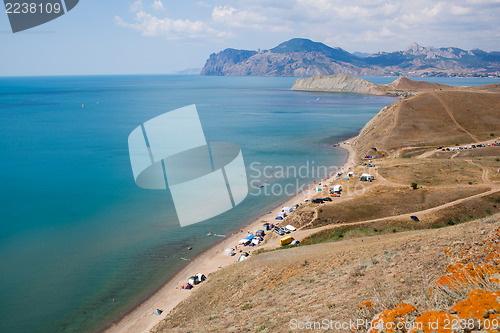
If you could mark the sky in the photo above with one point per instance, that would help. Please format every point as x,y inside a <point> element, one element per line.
<point>169,36</point>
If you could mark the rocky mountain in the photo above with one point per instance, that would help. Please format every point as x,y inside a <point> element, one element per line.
<point>303,57</point>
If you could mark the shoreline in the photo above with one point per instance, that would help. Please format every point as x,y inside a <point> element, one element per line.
<point>169,295</point>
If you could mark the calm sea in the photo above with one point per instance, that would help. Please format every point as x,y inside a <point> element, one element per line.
<point>77,233</point>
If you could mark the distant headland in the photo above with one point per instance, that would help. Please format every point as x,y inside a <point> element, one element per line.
<point>401,87</point>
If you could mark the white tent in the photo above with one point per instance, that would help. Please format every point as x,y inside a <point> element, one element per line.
<point>291,228</point>
<point>288,209</point>
<point>229,252</point>
<point>201,277</point>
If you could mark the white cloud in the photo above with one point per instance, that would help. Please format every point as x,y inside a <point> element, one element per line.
<point>247,19</point>
<point>458,10</point>
<point>203,4</point>
<point>357,25</point>
<point>483,2</point>
<point>150,25</point>
<point>175,29</point>
<point>136,6</point>
<point>434,11</point>
<point>158,5</point>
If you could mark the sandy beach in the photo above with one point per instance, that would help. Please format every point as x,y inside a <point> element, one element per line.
<point>142,319</point>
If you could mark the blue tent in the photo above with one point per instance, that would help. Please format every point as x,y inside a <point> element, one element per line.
<point>279,218</point>
<point>250,237</point>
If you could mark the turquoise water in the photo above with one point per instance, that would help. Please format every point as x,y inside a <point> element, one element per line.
<point>76,232</point>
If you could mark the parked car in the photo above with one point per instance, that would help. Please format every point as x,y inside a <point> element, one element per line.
<point>414,218</point>
<point>285,230</point>
<point>327,199</point>
<point>278,231</point>
<point>317,201</point>
<point>439,148</point>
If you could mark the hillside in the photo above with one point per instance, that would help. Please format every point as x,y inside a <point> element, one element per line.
<point>326,281</point>
<point>431,119</point>
<point>303,57</point>
<point>403,83</point>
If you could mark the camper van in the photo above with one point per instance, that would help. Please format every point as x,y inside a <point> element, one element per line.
<point>336,189</point>
<point>366,178</point>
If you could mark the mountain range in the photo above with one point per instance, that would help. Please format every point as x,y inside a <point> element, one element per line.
<point>303,57</point>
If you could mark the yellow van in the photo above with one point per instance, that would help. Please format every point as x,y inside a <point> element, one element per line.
<point>286,240</point>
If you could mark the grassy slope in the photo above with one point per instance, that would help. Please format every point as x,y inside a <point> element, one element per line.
<point>422,120</point>
<point>328,281</point>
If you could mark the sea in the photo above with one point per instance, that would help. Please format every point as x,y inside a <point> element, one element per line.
<point>80,243</point>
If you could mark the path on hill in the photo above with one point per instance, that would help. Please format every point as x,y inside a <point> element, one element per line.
<point>430,153</point>
<point>453,118</point>
<point>484,175</point>
<point>303,233</point>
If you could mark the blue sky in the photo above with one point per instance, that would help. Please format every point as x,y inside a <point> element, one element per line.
<point>166,36</point>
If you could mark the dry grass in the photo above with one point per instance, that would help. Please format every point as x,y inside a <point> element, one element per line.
<point>324,281</point>
<point>468,153</point>
<point>422,121</point>
<point>476,112</point>
<point>430,172</point>
<point>384,201</point>
<point>492,163</point>
<point>457,214</point>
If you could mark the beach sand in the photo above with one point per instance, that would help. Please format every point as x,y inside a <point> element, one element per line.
<point>142,319</point>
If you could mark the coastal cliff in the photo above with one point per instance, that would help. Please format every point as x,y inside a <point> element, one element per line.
<point>338,83</point>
